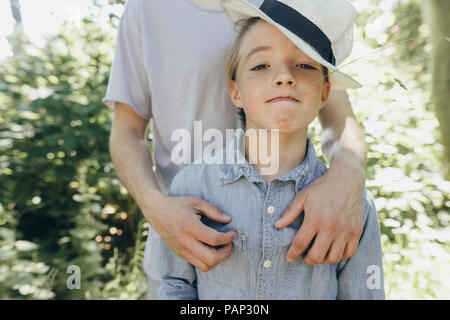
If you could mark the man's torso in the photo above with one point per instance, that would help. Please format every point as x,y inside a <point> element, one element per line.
<point>184,56</point>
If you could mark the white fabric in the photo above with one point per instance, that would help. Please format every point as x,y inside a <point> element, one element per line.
<point>208,4</point>
<point>169,66</point>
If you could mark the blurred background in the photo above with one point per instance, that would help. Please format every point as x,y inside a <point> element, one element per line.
<point>62,204</point>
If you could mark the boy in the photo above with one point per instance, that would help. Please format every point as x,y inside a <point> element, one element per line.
<point>280,71</point>
<point>149,85</point>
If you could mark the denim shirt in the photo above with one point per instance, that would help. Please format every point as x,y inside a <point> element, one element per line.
<point>257,267</point>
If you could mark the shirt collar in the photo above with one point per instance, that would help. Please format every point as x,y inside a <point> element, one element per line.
<point>302,175</point>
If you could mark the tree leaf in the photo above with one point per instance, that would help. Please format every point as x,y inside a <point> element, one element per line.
<point>400,83</point>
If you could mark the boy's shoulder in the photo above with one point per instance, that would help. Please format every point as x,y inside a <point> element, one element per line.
<point>369,209</point>
<point>204,173</point>
<point>320,167</point>
<point>195,177</point>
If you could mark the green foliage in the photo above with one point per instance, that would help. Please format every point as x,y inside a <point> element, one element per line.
<point>61,203</point>
<point>384,23</point>
<point>127,280</point>
<point>56,175</point>
<point>21,273</point>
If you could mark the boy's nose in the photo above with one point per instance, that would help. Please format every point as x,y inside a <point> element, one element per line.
<point>284,78</point>
<point>288,82</point>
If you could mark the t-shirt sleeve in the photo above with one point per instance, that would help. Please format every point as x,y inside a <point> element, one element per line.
<point>128,81</point>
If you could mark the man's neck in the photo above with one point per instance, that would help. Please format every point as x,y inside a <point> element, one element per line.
<point>291,151</point>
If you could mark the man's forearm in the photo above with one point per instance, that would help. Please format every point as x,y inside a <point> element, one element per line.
<point>342,139</point>
<point>133,163</point>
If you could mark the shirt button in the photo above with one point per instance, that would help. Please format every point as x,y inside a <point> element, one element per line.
<point>267,264</point>
<point>270,209</point>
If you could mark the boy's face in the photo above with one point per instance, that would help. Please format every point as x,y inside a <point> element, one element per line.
<point>272,66</point>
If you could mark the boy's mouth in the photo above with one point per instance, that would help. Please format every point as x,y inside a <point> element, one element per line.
<point>283,98</point>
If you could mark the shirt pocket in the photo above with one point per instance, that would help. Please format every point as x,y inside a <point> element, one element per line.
<point>233,272</point>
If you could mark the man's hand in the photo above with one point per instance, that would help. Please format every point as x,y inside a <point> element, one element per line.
<point>333,213</point>
<point>177,220</point>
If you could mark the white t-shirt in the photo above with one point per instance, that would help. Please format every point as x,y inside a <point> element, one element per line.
<point>169,65</point>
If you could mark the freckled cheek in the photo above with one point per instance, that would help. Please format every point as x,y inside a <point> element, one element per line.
<point>251,77</point>
<point>255,81</point>
<point>309,83</point>
<point>254,93</point>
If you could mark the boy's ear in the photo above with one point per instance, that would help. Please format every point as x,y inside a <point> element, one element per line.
<point>325,93</point>
<point>233,91</point>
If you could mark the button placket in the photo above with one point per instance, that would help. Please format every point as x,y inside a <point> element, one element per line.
<point>266,275</point>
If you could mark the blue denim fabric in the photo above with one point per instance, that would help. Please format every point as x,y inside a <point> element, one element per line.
<point>257,267</point>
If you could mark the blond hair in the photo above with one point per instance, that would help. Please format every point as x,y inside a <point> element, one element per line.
<point>233,58</point>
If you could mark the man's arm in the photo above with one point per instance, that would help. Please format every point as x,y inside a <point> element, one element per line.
<point>131,155</point>
<point>342,135</point>
<point>174,218</point>
<point>333,203</point>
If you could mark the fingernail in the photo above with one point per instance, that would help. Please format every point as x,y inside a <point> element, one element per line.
<point>290,260</point>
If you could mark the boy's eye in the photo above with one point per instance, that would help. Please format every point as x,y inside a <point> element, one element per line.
<point>259,67</point>
<point>301,65</point>
<point>306,66</point>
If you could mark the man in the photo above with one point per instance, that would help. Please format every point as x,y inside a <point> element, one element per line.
<point>169,68</point>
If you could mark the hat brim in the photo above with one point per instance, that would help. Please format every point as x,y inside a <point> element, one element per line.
<point>241,9</point>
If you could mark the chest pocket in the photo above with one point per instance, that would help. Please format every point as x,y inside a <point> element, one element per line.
<point>235,270</point>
